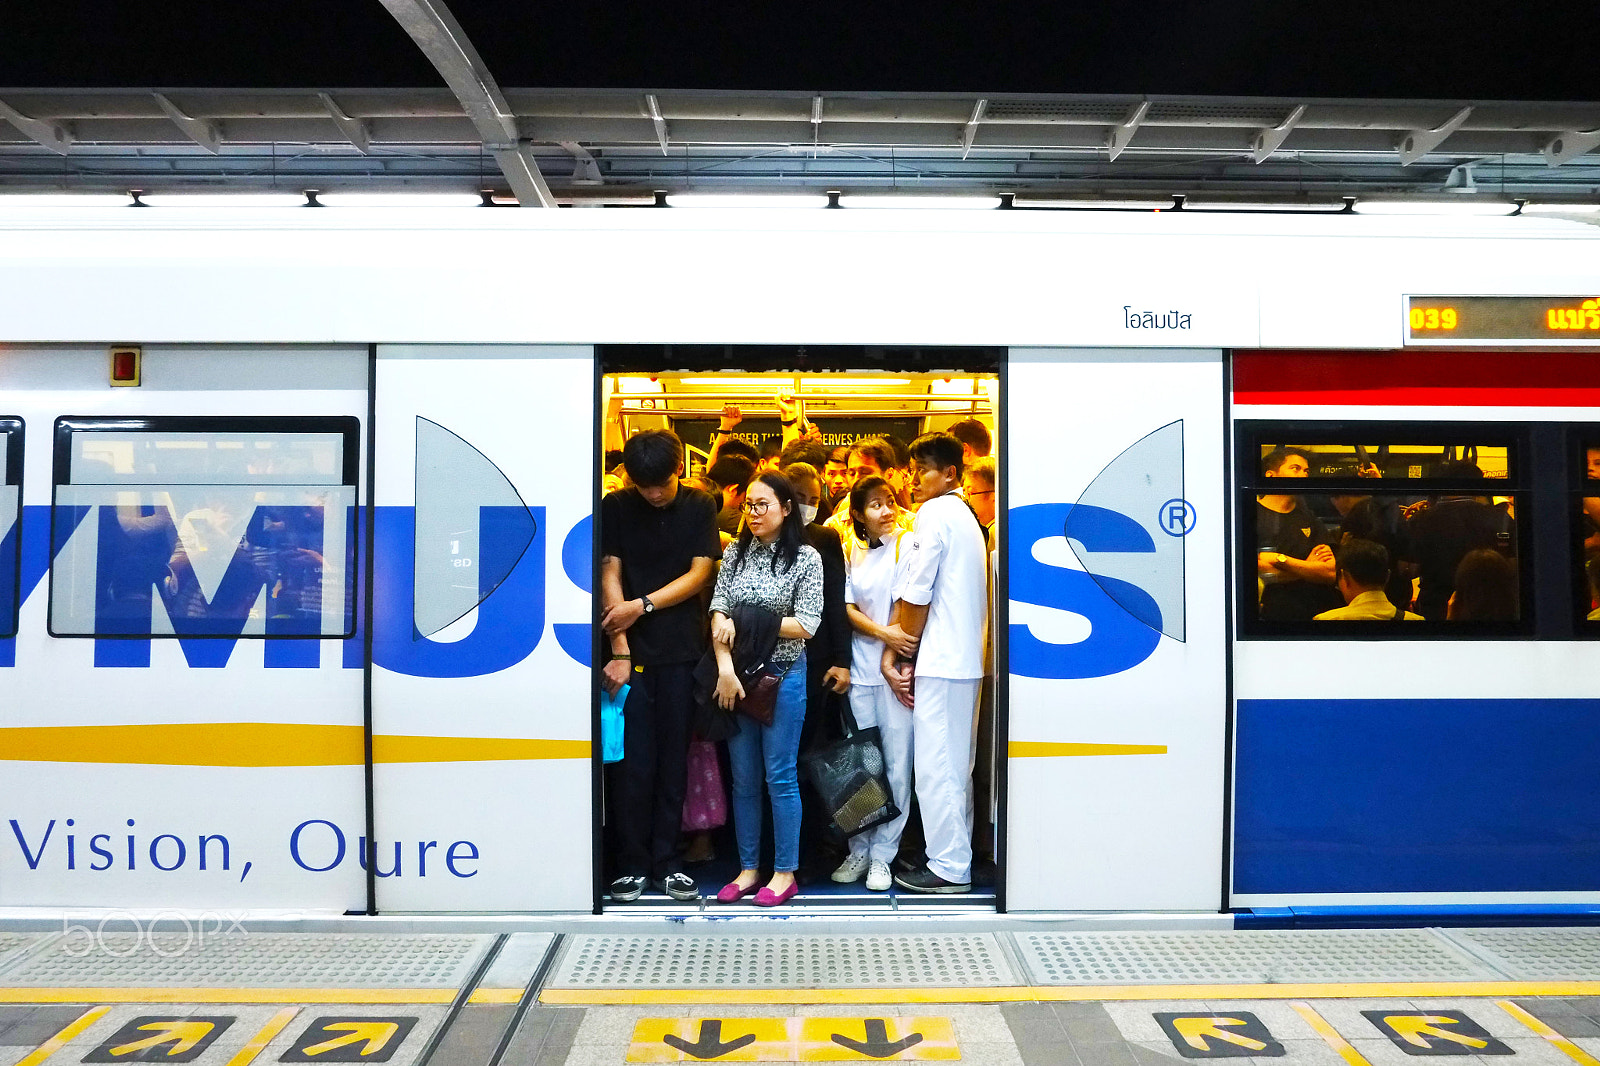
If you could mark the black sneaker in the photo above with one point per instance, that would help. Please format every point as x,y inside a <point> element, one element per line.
<point>627,889</point>
<point>927,881</point>
<point>678,886</point>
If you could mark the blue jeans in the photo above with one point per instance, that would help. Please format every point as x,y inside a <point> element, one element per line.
<point>773,749</point>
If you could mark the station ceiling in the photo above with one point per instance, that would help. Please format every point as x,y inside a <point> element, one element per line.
<point>626,146</point>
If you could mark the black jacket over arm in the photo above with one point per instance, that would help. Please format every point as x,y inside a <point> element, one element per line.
<point>830,645</point>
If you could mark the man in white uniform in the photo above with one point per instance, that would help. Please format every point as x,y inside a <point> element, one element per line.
<point>943,598</point>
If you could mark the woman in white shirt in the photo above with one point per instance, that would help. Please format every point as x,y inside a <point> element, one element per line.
<point>873,568</point>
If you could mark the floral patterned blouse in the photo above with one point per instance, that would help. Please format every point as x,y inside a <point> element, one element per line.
<point>794,592</point>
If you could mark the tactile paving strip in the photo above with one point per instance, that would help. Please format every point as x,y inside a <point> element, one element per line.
<point>1539,953</point>
<point>782,961</point>
<point>1245,957</point>
<point>13,946</point>
<point>251,960</point>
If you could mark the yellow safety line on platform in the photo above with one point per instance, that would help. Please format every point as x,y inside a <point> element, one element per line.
<point>261,744</point>
<point>1032,749</point>
<point>64,1037</point>
<point>1571,1050</point>
<point>1064,993</point>
<point>495,995</point>
<point>1328,1033</point>
<point>227,995</point>
<point>259,1042</point>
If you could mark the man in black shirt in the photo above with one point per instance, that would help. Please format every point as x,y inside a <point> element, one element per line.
<point>1444,531</point>
<point>1294,549</point>
<point>658,549</point>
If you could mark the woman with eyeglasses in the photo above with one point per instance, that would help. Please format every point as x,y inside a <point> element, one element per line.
<point>769,566</point>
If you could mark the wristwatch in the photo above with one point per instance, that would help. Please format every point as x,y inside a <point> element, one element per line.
<point>1282,558</point>
<point>648,606</point>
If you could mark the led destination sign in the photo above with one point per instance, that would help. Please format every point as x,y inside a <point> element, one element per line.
<point>1509,319</point>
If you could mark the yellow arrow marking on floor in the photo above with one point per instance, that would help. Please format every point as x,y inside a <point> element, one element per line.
<point>1412,1028</point>
<point>1195,1031</point>
<point>181,1035</point>
<point>376,1034</point>
<point>65,1037</point>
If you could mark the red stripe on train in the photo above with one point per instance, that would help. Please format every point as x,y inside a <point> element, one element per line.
<point>1430,378</point>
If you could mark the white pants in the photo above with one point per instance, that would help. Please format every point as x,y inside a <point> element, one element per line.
<point>875,705</point>
<point>944,727</point>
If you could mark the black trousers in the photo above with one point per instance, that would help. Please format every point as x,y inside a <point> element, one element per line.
<point>648,785</point>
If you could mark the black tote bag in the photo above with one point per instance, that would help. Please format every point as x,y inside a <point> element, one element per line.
<point>850,777</point>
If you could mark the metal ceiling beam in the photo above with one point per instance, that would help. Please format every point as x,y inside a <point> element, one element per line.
<point>198,130</point>
<point>970,130</point>
<point>1122,133</point>
<point>352,128</point>
<point>1270,140</point>
<point>653,106</point>
<point>435,30</point>
<point>52,135</point>
<point>1415,144</point>
<point>1565,147</point>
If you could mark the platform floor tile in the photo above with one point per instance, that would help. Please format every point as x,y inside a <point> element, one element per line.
<point>785,960</point>
<point>1246,957</point>
<point>252,960</point>
<point>1532,954</point>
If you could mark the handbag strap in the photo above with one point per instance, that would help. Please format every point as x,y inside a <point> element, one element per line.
<point>847,718</point>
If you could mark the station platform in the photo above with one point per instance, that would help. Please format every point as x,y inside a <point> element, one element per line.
<point>596,991</point>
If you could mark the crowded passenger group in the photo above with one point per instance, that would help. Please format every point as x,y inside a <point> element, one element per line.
<point>791,594</point>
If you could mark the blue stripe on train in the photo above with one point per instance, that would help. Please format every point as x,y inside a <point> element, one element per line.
<point>1417,796</point>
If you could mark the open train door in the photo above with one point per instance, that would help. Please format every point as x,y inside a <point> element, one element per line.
<point>1116,638</point>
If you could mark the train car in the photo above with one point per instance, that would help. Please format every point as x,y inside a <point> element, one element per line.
<point>299,563</point>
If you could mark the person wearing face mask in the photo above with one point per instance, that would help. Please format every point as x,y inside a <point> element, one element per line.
<point>827,660</point>
<point>869,595</point>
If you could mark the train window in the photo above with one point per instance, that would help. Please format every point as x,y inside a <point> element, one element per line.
<point>10,524</point>
<point>204,527</point>
<point>1336,534</point>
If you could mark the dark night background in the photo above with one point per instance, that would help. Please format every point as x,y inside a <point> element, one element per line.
<point>1471,49</point>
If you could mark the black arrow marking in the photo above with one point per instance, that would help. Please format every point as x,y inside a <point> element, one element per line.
<point>877,1045</point>
<point>710,1045</point>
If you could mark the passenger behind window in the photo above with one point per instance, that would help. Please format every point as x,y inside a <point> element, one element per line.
<point>1590,506</point>
<point>1294,560</point>
<point>1445,530</point>
<point>1363,571</point>
<point>1369,518</point>
<point>1485,588</point>
<point>1591,569</point>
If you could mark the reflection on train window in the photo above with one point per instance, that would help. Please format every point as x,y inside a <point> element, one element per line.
<point>10,524</point>
<point>1395,462</point>
<point>204,527</point>
<point>1401,533</point>
<point>1587,513</point>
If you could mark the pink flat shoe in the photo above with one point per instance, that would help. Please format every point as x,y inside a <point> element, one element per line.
<point>768,898</point>
<point>732,893</point>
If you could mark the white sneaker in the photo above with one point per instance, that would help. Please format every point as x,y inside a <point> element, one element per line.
<point>851,869</point>
<point>878,877</point>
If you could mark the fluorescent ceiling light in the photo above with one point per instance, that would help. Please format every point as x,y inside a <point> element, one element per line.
<point>784,381</point>
<point>26,200</point>
<point>698,199</point>
<point>954,387</point>
<point>400,199</point>
<point>224,199</point>
<point>1098,205</point>
<point>834,383</point>
<point>1326,207</point>
<point>1560,209</point>
<point>1432,207</point>
<point>638,385</point>
<point>919,202</point>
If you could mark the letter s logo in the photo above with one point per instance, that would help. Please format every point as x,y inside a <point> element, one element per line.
<point>1117,640</point>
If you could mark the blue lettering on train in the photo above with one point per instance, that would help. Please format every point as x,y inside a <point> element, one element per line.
<point>1117,640</point>
<point>511,621</point>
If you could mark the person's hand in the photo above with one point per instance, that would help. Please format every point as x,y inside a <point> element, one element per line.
<point>1411,511</point>
<point>731,416</point>
<point>788,406</point>
<point>722,631</point>
<point>837,679</point>
<point>903,644</point>
<point>614,675</point>
<point>617,619</point>
<point>1320,554</point>
<point>728,691</point>
<point>1368,469</point>
<point>813,432</point>
<point>901,679</point>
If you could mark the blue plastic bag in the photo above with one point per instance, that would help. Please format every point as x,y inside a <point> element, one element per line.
<point>611,724</point>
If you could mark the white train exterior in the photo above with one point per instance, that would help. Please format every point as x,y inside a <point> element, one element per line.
<point>1182,766</point>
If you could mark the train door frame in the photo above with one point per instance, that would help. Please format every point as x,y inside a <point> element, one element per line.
<point>989,359</point>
